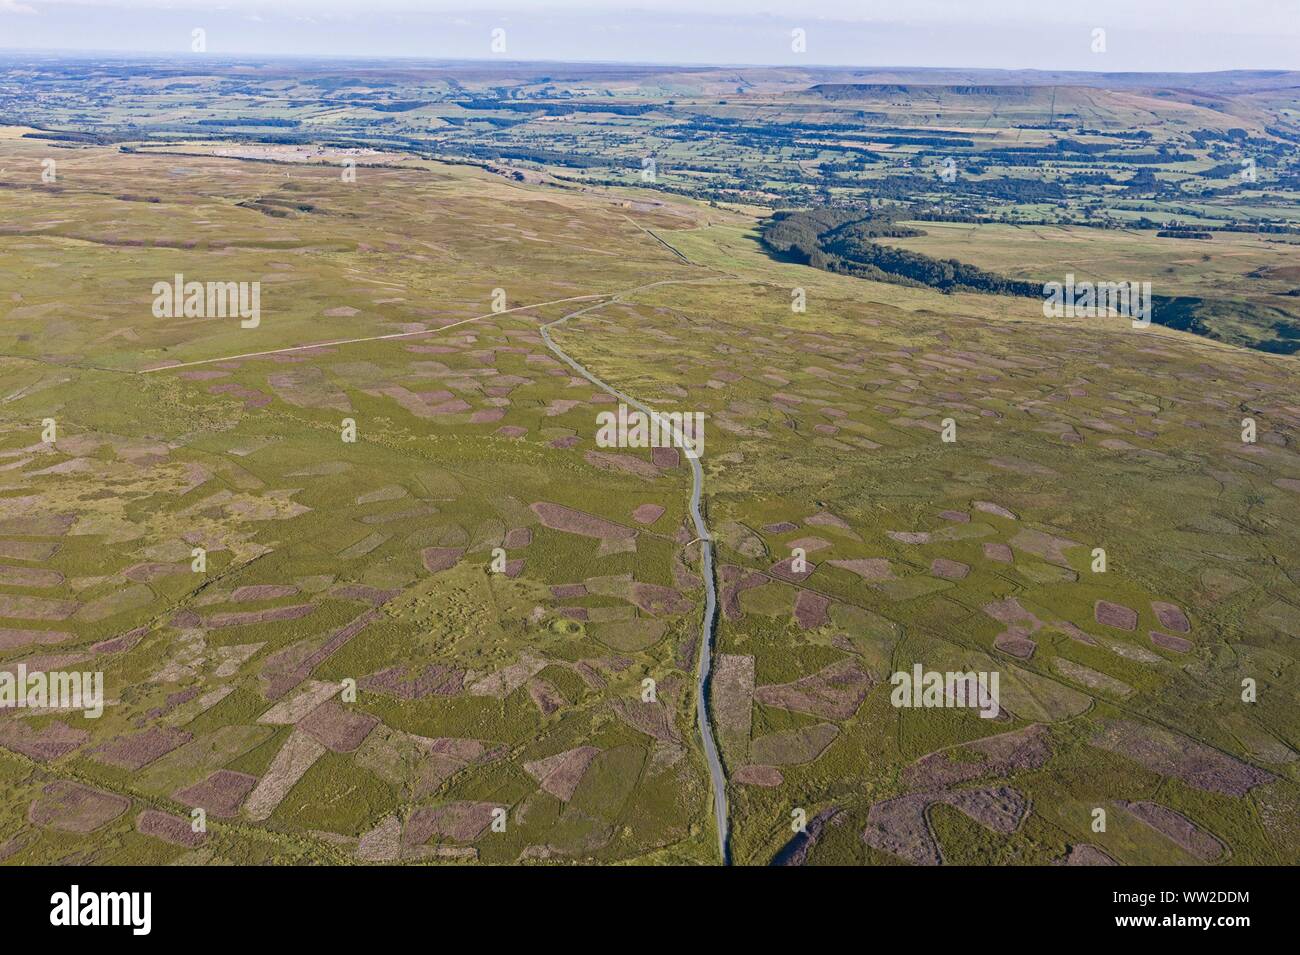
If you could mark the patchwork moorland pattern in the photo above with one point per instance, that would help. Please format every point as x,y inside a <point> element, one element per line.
<point>518,692</point>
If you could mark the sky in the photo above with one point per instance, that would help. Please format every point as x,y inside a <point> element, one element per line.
<point>1139,35</point>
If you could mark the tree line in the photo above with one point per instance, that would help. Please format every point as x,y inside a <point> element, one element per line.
<point>842,240</point>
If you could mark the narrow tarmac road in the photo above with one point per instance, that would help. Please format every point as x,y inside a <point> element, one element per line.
<point>717,776</point>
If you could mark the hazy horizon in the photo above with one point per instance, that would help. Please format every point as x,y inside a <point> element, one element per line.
<point>126,54</point>
<point>1192,36</point>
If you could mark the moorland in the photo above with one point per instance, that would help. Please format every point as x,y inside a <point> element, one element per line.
<point>365,588</point>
